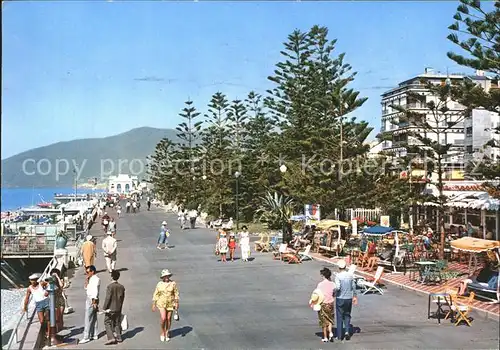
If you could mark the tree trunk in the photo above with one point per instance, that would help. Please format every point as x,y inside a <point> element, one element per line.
<point>441,208</point>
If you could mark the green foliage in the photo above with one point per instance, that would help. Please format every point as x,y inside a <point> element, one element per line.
<point>275,210</point>
<point>480,31</point>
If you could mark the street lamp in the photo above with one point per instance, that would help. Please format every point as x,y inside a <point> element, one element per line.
<point>237,175</point>
<point>76,183</point>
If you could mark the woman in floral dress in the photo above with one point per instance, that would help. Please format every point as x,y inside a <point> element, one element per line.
<point>166,299</point>
<point>222,246</point>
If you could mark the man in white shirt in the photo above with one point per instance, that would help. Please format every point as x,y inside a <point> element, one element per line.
<point>109,246</point>
<point>92,285</point>
<point>193,214</point>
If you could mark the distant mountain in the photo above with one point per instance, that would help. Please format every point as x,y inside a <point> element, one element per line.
<point>97,157</point>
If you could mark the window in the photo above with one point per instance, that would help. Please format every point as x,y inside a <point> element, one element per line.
<point>469,149</point>
<point>468,130</point>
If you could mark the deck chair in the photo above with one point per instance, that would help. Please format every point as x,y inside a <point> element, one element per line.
<point>372,286</point>
<point>281,250</point>
<point>305,254</point>
<point>461,307</point>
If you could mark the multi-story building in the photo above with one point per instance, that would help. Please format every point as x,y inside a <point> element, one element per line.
<point>450,125</point>
<point>479,130</point>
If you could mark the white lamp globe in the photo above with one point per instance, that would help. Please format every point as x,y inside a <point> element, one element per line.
<point>283,168</point>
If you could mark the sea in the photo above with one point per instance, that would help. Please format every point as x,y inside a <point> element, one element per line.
<point>15,198</point>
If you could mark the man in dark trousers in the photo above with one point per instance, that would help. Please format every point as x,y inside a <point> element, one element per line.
<point>115,295</point>
<point>345,292</point>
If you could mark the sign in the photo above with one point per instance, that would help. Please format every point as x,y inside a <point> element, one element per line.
<point>312,212</point>
<point>385,221</point>
<point>354,225</point>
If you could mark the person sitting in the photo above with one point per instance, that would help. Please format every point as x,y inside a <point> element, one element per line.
<point>487,276</point>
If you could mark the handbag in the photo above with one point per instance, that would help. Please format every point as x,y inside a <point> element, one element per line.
<point>124,322</point>
<point>176,315</point>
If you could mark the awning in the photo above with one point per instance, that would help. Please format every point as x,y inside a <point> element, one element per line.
<point>377,230</point>
<point>474,245</point>
<point>325,224</point>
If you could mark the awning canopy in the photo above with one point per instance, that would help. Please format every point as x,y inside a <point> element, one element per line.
<point>474,245</point>
<point>377,230</point>
<point>298,218</point>
<point>325,224</point>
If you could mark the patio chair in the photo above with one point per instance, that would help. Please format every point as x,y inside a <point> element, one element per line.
<point>461,307</point>
<point>372,286</point>
<point>281,250</point>
<point>305,254</point>
<point>263,239</point>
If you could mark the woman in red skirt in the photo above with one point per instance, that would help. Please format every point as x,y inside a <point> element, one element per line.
<point>232,245</point>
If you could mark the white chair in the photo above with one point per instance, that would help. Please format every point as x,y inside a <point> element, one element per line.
<point>305,254</point>
<point>372,286</point>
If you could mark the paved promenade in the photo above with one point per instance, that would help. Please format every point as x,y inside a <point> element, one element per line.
<point>261,304</point>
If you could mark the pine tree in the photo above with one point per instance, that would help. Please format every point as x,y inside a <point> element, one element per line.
<point>217,156</point>
<point>160,168</point>
<point>187,159</point>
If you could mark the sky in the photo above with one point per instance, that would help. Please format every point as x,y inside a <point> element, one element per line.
<point>82,69</point>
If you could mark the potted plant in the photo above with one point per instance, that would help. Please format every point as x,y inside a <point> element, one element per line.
<point>61,240</point>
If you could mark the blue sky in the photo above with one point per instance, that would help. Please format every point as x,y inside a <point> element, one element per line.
<point>92,69</point>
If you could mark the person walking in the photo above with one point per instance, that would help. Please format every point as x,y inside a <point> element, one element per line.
<point>244,244</point>
<point>113,303</point>
<point>325,314</point>
<point>149,204</point>
<point>112,226</point>
<point>92,286</point>
<point>41,299</point>
<point>222,246</point>
<point>345,289</point>
<point>231,243</point>
<point>59,298</point>
<point>109,246</point>
<point>118,210</point>
<point>89,252</point>
<point>127,206</point>
<point>166,300</point>
<point>163,238</point>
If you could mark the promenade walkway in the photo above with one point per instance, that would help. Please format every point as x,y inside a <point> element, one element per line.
<point>259,304</point>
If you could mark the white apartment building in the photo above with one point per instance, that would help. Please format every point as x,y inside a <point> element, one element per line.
<point>479,129</point>
<point>454,135</point>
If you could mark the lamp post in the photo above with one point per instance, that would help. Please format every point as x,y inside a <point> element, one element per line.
<point>52,306</point>
<point>237,175</point>
<point>76,183</point>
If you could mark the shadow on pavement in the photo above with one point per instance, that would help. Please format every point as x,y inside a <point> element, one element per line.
<point>180,331</point>
<point>131,333</point>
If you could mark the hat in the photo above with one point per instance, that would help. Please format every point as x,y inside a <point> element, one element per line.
<point>165,272</point>
<point>164,223</point>
<point>35,276</point>
<point>89,237</point>
<point>223,233</point>
<point>231,234</point>
<point>317,298</point>
<point>341,264</point>
<point>109,233</point>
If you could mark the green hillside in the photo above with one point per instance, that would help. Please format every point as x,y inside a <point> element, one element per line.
<point>91,155</point>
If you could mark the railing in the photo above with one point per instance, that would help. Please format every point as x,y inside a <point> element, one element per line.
<point>27,245</point>
<point>14,337</point>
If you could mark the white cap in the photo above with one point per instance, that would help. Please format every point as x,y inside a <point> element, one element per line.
<point>164,223</point>
<point>35,276</point>
<point>89,237</point>
<point>109,233</point>
<point>341,264</point>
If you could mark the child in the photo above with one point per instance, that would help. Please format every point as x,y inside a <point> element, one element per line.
<point>232,245</point>
<point>222,246</point>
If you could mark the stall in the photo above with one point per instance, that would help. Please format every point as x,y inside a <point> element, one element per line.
<point>331,245</point>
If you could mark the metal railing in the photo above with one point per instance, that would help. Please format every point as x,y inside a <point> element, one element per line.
<point>14,337</point>
<point>27,245</point>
